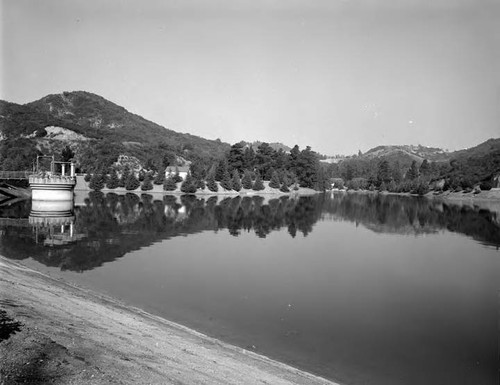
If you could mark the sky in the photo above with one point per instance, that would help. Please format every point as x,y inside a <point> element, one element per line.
<point>339,76</point>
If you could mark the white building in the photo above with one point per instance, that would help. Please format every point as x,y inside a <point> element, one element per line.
<point>172,170</point>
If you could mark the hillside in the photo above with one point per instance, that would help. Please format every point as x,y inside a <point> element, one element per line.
<point>71,118</point>
<point>483,149</point>
<point>479,163</point>
<point>407,152</point>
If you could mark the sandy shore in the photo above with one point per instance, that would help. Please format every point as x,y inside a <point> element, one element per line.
<point>71,335</point>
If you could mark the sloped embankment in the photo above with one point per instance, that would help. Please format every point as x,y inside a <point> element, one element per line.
<point>71,335</point>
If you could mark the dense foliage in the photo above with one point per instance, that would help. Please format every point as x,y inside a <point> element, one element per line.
<point>246,167</point>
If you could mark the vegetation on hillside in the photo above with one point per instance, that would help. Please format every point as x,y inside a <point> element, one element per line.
<point>467,169</point>
<point>110,130</point>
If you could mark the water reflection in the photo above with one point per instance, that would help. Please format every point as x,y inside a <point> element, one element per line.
<point>102,227</point>
<point>358,288</point>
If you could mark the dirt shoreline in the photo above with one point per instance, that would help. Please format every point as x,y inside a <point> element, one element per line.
<point>71,335</point>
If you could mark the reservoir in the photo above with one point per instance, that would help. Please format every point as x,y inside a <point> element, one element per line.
<point>357,288</point>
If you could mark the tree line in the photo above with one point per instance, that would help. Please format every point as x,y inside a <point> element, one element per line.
<point>242,167</point>
<point>472,173</point>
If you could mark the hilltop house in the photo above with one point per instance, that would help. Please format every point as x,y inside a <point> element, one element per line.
<point>171,170</point>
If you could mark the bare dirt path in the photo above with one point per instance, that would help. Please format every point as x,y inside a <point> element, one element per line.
<point>71,335</point>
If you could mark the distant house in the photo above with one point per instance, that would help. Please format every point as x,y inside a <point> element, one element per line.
<point>171,170</point>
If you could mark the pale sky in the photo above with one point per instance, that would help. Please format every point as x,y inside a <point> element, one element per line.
<point>336,75</point>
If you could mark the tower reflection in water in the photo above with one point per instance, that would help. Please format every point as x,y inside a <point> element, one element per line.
<point>53,222</point>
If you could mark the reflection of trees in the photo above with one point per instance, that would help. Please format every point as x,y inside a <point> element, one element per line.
<point>410,215</point>
<point>109,226</point>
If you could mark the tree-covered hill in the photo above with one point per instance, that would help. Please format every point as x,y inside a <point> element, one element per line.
<point>83,114</point>
<point>418,168</point>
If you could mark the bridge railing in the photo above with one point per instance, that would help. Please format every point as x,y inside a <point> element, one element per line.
<point>15,174</point>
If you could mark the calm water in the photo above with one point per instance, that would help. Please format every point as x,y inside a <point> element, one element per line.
<point>360,289</point>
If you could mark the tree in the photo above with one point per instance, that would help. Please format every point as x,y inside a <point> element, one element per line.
<point>396,172</point>
<point>264,159</point>
<point>275,180</point>
<point>177,178</point>
<point>321,182</point>
<point>132,183</point>
<point>226,182</point>
<point>284,188</point>
<point>211,183</point>
<point>236,182</point>
<point>307,166</point>
<point>412,173</point>
<point>384,172</point>
<point>249,158</point>
<point>96,181</point>
<point>425,168</point>
<point>221,170</point>
<point>169,184</point>
<point>190,185</point>
<point>235,158</point>
<point>258,185</point>
<point>198,168</point>
<point>294,158</point>
<point>168,158</point>
<point>160,177</point>
<point>113,180</point>
<point>247,182</point>
<point>280,160</point>
<point>124,177</point>
<point>67,154</point>
<point>147,183</point>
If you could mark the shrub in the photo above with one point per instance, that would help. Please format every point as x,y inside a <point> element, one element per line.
<point>189,185</point>
<point>169,184</point>
<point>147,183</point>
<point>420,187</point>
<point>160,177</point>
<point>113,180</point>
<point>132,183</point>
<point>96,182</point>
<point>212,184</point>
<point>275,180</point>
<point>177,178</point>
<point>124,177</point>
<point>284,188</point>
<point>486,185</point>
<point>226,182</point>
<point>392,186</point>
<point>236,182</point>
<point>258,185</point>
<point>247,182</point>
